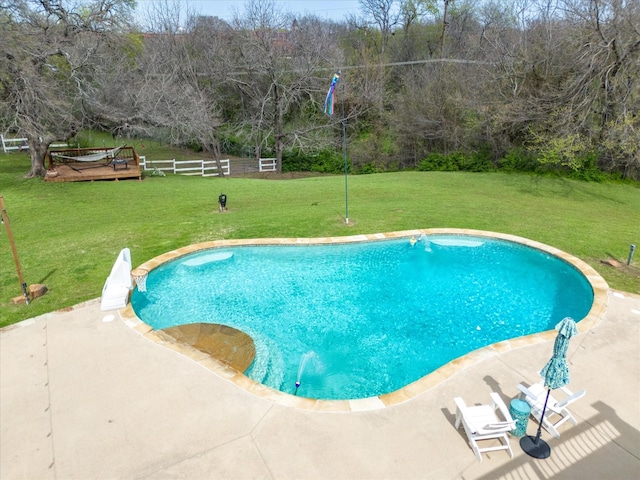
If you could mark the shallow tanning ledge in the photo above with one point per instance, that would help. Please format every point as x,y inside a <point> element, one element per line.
<point>226,344</point>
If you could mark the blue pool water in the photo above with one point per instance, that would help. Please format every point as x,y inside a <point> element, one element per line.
<point>362,319</point>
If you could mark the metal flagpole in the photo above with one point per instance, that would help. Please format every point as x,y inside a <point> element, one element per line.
<point>344,149</point>
<point>5,220</point>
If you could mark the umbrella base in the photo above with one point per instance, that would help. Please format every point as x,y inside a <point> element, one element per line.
<point>539,449</point>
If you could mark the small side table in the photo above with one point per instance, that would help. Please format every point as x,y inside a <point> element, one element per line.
<point>520,411</point>
<point>120,162</point>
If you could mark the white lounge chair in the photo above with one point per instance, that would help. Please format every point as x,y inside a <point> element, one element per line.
<point>557,412</point>
<point>481,423</point>
<point>115,293</point>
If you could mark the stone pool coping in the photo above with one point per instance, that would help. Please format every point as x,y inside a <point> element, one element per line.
<point>595,315</point>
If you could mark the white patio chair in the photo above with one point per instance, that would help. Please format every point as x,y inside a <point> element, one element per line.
<point>481,423</point>
<point>557,412</point>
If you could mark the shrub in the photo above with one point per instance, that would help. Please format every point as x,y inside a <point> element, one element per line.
<point>235,145</point>
<point>367,169</point>
<point>588,169</point>
<point>479,161</point>
<point>518,160</point>
<point>327,161</point>
<point>296,161</point>
<point>438,162</point>
<point>323,161</point>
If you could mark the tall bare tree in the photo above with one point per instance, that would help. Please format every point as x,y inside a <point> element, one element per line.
<point>384,15</point>
<point>46,55</point>
<point>567,76</point>
<point>601,95</point>
<point>275,61</point>
<point>155,85</point>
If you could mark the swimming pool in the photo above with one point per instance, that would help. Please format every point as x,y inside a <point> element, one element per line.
<point>366,318</point>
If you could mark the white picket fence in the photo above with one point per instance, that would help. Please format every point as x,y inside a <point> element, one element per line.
<point>267,165</point>
<point>9,144</point>
<point>205,168</point>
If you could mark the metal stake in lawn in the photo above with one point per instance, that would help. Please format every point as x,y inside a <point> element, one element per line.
<point>5,220</point>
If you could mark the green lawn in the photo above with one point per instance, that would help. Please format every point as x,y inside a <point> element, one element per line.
<point>69,234</point>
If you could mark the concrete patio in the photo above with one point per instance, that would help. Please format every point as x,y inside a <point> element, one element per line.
<point>85,398</point>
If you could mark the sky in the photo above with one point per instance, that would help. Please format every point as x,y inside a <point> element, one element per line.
<point>336,10</point>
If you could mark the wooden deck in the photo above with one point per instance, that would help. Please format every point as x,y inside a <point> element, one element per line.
<point>63,169</point>
<point>68,172</point>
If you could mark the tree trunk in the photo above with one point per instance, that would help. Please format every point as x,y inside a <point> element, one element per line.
<point>215,150</point>
<point>279,128</point>
<point>279,148</point>
<point>38,152</point>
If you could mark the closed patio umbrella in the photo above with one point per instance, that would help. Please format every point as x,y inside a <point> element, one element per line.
<point>556,375</point>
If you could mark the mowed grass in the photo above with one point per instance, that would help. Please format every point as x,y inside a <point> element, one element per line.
<point>69,234</point>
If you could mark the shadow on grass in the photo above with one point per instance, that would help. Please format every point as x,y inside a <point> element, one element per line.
<point>44,279</point>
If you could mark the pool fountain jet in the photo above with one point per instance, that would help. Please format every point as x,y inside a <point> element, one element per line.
<point>427,244</point>
<point>303,363</point>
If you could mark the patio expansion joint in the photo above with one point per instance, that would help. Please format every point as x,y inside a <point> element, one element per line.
<point>255,443</point>
<point>160,468</point>
<point>51,436</point>
<point>260,420</point>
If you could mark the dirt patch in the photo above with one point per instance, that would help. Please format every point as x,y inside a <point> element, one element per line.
<point>630,270</point>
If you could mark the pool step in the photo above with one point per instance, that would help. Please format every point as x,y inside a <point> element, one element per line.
<point>258,369</point>
<point>268,366</point>
<point>274,377</point>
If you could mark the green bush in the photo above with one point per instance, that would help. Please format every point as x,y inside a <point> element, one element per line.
<point>588,169</point>
<point>367,169</point>
<point>478,161</point>
<point>296,161</point>
<point>518,160</point>
<point>327,161</point>
<point>233,145</point>
<point>323,161</point>
<point>439,162</point>
<point>194,146</point>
